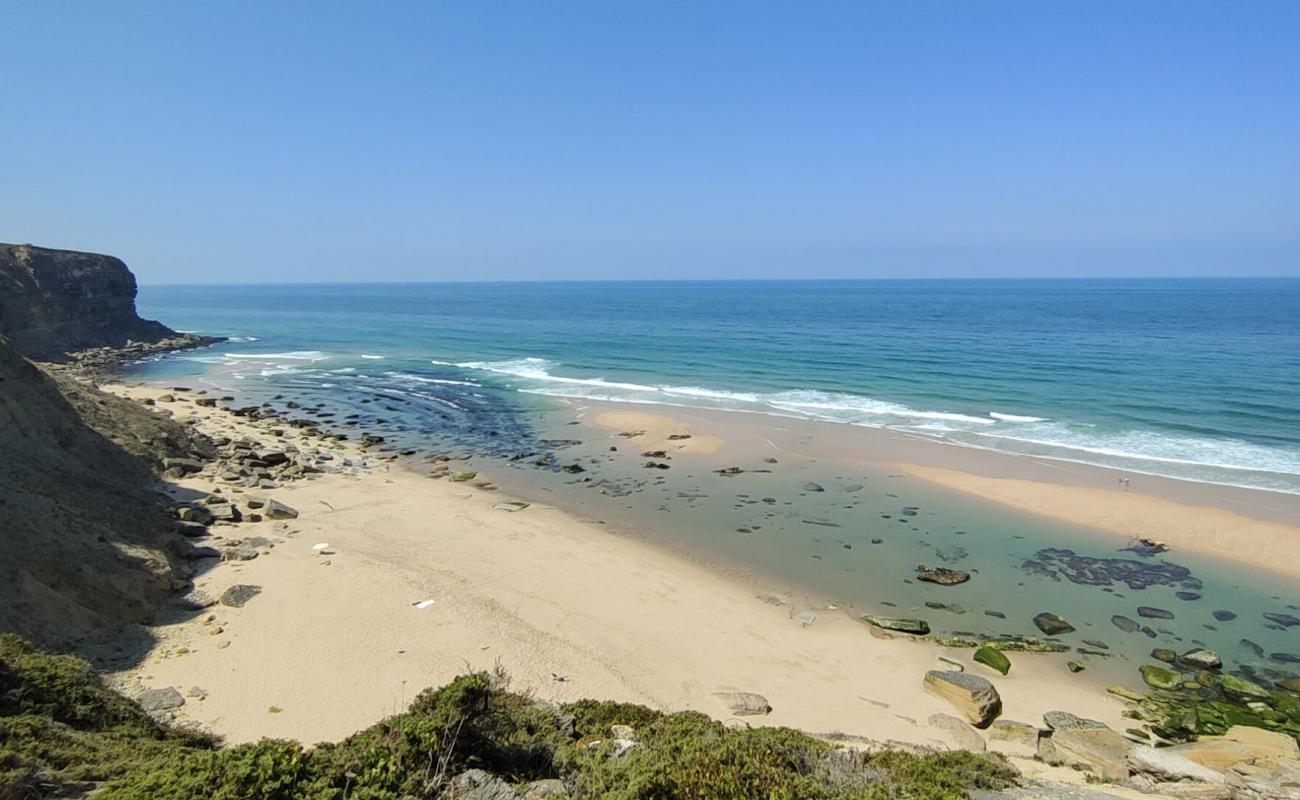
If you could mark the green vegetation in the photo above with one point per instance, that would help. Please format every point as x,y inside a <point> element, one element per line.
<point>59,725</point>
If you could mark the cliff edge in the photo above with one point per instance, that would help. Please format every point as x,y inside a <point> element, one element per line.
<point>53,302</point>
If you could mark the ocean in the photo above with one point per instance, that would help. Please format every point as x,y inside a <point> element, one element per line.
<point>1192,379</point>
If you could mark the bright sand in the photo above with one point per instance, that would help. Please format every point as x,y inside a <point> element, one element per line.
<point>569,609</point>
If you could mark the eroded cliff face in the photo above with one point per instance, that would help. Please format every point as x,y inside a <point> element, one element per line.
<point>85,541</point>
<point>56,301</point>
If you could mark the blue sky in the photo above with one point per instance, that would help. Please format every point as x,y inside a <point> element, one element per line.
<point>326,141</point>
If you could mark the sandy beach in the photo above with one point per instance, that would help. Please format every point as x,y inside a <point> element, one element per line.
<point>339,639</point>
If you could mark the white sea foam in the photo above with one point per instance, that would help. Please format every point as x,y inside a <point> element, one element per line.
<point>295,355</point>
<point>406,376</point>
<point>372,358</point>
<point>998,415</point>
<point>1213,460</point>
<point>241,339</point>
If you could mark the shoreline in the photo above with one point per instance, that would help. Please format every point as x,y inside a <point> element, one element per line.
<point>568,608</point>
<point>1255,528</point>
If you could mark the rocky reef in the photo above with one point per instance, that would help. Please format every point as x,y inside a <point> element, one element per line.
<point>54,302</point>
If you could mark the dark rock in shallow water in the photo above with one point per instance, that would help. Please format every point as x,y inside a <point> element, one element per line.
<point>1252,647</point>
<point>1187,595</point>
<point>991,613</point>
<point>1051,624</point>
<point>1285,658</point>
<point>1201,659</point>
<point>1285,620</point>
<point>1224,616</point>
<point>1057,563</point>
<point>813,487</point>
<point>941,575</point>
<point>1164,654</point>
<point>1154,613</point>
<point>1125,624</point>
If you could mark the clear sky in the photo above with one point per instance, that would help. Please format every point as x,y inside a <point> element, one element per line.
<point>327,141</point>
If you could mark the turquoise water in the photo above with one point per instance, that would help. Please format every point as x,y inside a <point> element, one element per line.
<point>1193,379</point>
<point>1196,379</point>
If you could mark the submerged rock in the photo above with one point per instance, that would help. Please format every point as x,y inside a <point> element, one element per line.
<point>1150,612</point>
<point>1052,624</point>
<point>1224,616</point>
<point>941,575</point>
<point>1125,624</point>
<point>1058,562</point>
<point>1285,620</point>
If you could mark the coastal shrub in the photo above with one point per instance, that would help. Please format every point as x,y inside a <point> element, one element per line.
<point>594,717</point>
<point>59,725</point>
<point>270,769</point>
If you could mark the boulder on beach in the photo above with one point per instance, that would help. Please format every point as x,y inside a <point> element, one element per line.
<point>1052,624</point>
<point>1100,751</point>
<point>744,704</point>
<point>163,699</point>
<point>276,510</point>
<point>975,697</point>
<point>239,594</point>
<point>918,627</point>
<point>993,658</point>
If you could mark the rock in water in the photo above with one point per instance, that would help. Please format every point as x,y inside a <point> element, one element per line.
<point>1125,624</point>
<point>1160,677</point>
<point>1051,624</point>
<point>1225,616</point>
<point>239,594</point>
<point>1201,659</point>
<point>973,696</point>
<point>744,704</point>
<point>1154,613</point>
<point>993,658</point>
<point>1285,620</point>
<point>918,627</point>
<point>941,575</point>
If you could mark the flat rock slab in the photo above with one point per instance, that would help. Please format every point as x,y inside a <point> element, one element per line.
<point>1098,750</point>
<point>918,627</point>
<point>744,704</point>
<point>959,732</point>
<point>975,697</point>
<point>239,594</point>
<point>195,600</point>
<point>1166,766</point>
<point>163,699</point>
<point>276,510</point>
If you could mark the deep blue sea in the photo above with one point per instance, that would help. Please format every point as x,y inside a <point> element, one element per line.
<point>1195,379</point>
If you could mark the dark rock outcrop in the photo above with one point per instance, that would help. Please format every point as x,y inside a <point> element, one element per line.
<point>53,302</point>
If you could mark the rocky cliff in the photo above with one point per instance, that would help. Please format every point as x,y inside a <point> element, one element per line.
<point>84,538</point>
<point>56,301</point>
